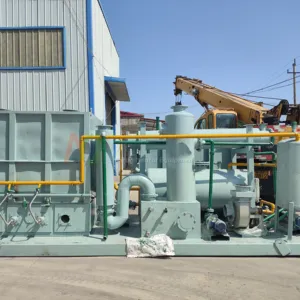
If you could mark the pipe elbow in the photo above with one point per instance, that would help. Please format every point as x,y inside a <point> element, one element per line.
<point>146,185</point>
<point>123,197</point>
<point>116,222</point>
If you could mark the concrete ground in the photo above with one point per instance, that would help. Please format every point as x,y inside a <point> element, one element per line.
<point>128,278</point>
<point>125,278</point>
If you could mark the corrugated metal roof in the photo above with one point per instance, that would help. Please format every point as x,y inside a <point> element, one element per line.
<point>126,114</point>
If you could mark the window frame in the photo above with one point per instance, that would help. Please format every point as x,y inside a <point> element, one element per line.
<point>33,28</point>
<point>200,123</point>
<point>210,119</point>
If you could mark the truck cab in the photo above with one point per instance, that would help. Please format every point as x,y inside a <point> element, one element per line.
<point>217,118</point>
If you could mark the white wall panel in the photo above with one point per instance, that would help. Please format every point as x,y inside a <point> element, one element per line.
<point>106,59</point>
<point>106,63</point>
<point>44,89</point>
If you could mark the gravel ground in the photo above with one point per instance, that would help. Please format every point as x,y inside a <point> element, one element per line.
<point>124,278</point>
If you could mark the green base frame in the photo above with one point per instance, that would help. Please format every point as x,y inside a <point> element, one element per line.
<point>115,245</point>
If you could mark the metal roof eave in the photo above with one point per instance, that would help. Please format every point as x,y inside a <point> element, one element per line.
<point>118,88</point>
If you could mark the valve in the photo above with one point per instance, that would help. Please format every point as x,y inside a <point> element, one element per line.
<point>14,221</point>
<point>41,221</point>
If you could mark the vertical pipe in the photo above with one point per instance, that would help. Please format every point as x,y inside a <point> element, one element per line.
<point>291,220</point>
<point>105,228</point>
<point>157,123</point>
<point>211,173</point>
<point>121,162</point>
<point>276,219</point>
<point>159,152</point>
<point>250,162</point>
<point>143,150</point>
<point>104,130</point>
<point>104,174</point>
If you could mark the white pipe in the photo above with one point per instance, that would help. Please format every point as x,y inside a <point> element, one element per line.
<point>123,195</point>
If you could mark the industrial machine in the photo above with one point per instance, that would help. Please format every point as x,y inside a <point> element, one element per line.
<point>231,111</point>
<point>187,193</point>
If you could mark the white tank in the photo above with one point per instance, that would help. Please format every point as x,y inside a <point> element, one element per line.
<point>180,155</point>
<point>224,183</point>
<point>288,174</point>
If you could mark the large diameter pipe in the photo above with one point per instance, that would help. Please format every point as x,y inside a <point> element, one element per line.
<point>123,195</point>
<point>224,182</point>
<point>180,155</point>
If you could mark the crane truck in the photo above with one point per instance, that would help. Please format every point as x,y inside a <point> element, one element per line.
<point>228,110</point>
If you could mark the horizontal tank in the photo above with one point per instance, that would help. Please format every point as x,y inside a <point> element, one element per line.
<point>224,182</point>
<point>288,174</point>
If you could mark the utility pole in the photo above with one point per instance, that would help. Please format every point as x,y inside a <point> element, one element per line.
<point>294,80</point>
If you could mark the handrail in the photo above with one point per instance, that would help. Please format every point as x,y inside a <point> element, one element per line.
<point>167,136</point>
<point>64,182</point>
<point>266,165</point>
<point>206,136</point>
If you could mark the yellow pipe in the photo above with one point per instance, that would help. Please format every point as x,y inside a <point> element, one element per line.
<point>206,136</point>
<point>65,182</point>
<point>272,205</point>
<point>122,137</point>
<point>134,188</point>
<point>270,165</point>
<point>40,182</point>
<point>91,137</point>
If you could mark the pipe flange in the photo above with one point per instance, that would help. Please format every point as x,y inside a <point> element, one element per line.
<point>148,196</point>
<point>186,221</point>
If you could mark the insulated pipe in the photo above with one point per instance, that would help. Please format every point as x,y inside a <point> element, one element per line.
<point>104,172</point>
<point>123,195</point>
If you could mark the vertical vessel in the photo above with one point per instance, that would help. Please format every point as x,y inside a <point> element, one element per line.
<point>180,156</point>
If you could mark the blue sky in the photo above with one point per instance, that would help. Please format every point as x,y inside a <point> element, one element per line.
<point>234,45</point>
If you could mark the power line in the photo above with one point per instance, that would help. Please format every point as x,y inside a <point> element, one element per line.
<point>282,86</point>
<point>259,96</point>
<point>272,77</point>
<point>266,87</point>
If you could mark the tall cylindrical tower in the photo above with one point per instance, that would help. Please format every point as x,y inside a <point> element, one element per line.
<point>180,156</point>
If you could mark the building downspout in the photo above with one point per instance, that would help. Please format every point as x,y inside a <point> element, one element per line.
<point>123,197</point>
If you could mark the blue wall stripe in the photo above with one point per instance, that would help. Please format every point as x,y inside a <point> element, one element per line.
<point>90,55</point>
<point>113,120</point>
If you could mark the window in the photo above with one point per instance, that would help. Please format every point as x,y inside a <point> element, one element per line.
<point>32,48</point>
<point>201,124</point>
<point>226,121</point>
